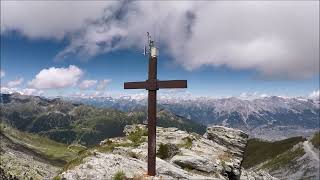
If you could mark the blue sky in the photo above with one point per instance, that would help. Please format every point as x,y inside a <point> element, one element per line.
<point>29,56</point>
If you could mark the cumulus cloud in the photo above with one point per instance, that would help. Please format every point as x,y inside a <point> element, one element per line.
<point>56,78</point>
<point>48,19</point>
<point>276,39</point>
<point>24,91</point>
<point>102,85</point>
<point>15,83</point>
<point>31,91</point>
<point>86,84</point>
<point>2,73</point>
<point>314,94</point>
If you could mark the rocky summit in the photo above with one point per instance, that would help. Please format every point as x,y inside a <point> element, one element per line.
<point>181,155</point>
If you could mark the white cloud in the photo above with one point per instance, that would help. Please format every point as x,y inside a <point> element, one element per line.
<point>15,83</point>
<point>30,91</point>
<point>8,90</point>
<point>86,84</point>
<point>48,19</point>
<point>26,91</point>
<point>252,95</point>
<point>314,94</point>
<point>56,78</point>
<point>264,95</point>
<point>276,39</point>
<point>2,73</point>
<point>93,94</point>
<point>102,85</point>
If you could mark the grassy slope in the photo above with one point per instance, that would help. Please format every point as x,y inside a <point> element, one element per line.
<point>315,140</point>
<point>258,151</point>
<point>48,148</point>
<point>285,159</point>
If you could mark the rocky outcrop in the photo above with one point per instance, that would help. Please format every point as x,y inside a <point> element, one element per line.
<point>234,140</point>
<point>129,129</point>
<point>196,162</point>
<point>105,166</point>
<point>256,175</point>
<point>216,155</point>
<point>6,176</point>
<point>19,162</point>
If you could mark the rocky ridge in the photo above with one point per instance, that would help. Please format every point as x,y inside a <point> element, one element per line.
<point>299,162</point>
<point>181,155</point>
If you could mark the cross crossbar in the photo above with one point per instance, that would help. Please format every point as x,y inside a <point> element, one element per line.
<point>172,84</point>
<point>149,85</point>
<point>135,85</point>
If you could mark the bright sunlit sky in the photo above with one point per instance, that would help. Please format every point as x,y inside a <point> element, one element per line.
<point>222,48</point>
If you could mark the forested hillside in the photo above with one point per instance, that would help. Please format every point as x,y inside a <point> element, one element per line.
<point>68,122</point>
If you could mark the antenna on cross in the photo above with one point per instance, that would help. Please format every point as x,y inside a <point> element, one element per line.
<point>151,50</point>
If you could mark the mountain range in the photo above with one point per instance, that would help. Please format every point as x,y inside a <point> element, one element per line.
<point>77,119</point>
<point>271,117</point>
<point>79,138</point>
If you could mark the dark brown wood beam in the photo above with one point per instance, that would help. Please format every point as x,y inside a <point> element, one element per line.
<point>135,85</point>
<point>172,84</point>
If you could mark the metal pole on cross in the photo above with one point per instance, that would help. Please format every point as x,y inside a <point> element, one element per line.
<point>152,84</point>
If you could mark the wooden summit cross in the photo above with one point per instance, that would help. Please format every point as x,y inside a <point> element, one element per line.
<point>152,84</point>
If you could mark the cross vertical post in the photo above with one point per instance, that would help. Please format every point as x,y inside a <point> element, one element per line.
<point>152,84</point>
<point>152,111</point>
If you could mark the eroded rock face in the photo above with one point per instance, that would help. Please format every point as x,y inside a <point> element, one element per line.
<point>216,155</point>
<point>196,162</point>
<point>233,139</point>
